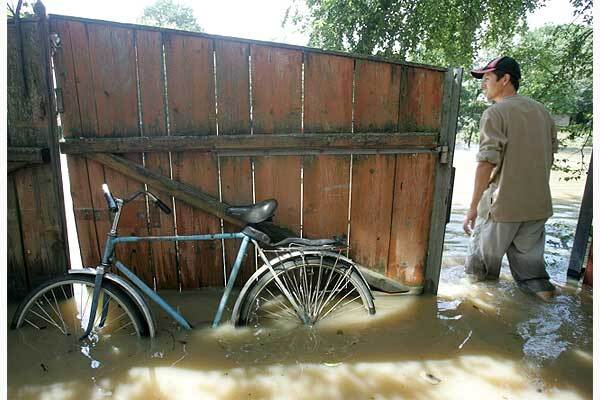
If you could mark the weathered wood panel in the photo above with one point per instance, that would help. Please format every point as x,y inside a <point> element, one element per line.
<point>35,223</point>
<point>228,144</point>
<point>191,99</point>
<point>421,99</point>
<point>16,279</point>
<point>152,99</point>
<point>327,108</point>
<point>277,108</point>
<point>233,107</point>
<point>377,91</point>
<point>112,62</point>
<point>413,199</point>
<point>74,77</point>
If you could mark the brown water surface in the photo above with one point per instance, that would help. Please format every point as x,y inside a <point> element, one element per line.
<point>473,341</point>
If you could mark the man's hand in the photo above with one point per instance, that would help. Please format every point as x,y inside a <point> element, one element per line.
<point>469,223</point>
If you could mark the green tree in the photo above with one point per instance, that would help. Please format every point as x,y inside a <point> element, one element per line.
<point>169,14</point>
<point>441,32</point>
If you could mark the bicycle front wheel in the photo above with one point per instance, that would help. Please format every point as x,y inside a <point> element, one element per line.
<point>321,287</point>
<point>62,307</point>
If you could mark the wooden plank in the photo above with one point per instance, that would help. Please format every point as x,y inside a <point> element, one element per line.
<point>44,247</point>
<point>191,99</point>
<point>277,108</point>
<point>377,97</point>
<point>327,108</point>
<point>33,155</point>
<point>421,99</point>
<point>322,142</point>
<point>16,278</point>
<point>413,200</point>
<point>74,76</point>
<point>233,105</point>
<point>441,199</point>
<point>377,91</point>
<point>152,100</point>
<point>27,117</point>
<point>181,191</point>
<point>371,212</point>
<point>112,61</point>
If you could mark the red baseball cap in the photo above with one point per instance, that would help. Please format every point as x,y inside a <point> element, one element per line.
<point>504,64</point>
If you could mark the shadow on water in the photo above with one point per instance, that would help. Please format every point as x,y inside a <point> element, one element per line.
<point>472,341</point>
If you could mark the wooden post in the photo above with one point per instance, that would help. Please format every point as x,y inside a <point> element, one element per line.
<point>443,172</point>
<point>584,224</point>
<point>53,132</point>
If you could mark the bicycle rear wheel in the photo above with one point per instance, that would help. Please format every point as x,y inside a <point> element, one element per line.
<point>61,307</point>
<point>322,288</point>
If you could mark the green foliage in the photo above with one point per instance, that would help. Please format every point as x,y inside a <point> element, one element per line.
<point>440,32</point>
<point>25,9</point>
<point>169,14</point>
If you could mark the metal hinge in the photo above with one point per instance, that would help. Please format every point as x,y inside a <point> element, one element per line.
<point>60,107</point>
<point>443,154</point>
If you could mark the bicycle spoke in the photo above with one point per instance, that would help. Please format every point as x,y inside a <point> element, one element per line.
<point>32,324</point>
<point>336,304</point>
<point>124,326</point>
<point>344,311</point>
<point>58,308</point>
<point>336,287</point>
<point>281,305</point>
<point>313,309</point>
<point>47,320</point>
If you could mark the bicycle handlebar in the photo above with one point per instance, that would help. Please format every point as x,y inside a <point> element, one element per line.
<point>110,200</point>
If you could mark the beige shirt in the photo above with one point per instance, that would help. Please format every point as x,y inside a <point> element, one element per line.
<point>518,135</point>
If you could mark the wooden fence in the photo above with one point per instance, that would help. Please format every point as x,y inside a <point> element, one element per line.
<point>347,144</point>
<point>36,235</point>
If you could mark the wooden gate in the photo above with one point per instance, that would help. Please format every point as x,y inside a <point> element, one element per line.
<point>36,235</point>
<point>347,144</point>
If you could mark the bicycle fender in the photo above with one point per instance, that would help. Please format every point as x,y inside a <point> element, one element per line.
<point>278,260</point>
<point>134,294</point>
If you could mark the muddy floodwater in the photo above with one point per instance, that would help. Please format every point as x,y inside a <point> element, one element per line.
<point>473,341</point>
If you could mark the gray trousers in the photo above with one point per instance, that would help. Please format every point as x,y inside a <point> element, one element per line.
<point>522,242</point>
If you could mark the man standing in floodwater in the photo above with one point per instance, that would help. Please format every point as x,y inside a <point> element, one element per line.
<point>511,197</point>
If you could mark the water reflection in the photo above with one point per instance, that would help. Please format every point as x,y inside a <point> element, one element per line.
<point>472,341</point>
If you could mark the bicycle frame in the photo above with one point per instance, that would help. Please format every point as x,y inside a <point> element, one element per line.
<point>107,260</point>
<point>112,241</point>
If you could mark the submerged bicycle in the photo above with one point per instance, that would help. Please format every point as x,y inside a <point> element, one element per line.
<point>304,280</point>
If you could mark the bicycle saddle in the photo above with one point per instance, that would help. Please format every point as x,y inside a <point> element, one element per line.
<point>254,213</point>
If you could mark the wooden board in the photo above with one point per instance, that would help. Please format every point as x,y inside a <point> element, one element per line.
<point>233,105</point>
<point>377,91</point>
<point>277,108</point>
<point>413,200</point>
<point>421,99</point>
<point>16,275</point>
<point>191,106</point>
<point>74,77</point>
<point>153,101</point>
<point>371,212</point>
<point>34,206</point>
<point>327,108</point>
<point>112,62</point>
<point>43,246</point>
